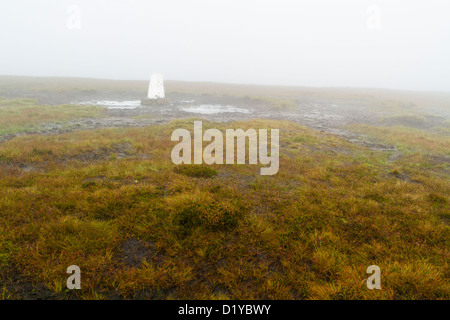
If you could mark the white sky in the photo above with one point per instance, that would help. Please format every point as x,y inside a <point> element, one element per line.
<point>305,43</point>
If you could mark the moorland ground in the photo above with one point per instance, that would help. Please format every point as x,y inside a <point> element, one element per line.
<point>363,180</point>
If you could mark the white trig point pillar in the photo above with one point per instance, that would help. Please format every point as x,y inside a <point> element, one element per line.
<point>156,87</point>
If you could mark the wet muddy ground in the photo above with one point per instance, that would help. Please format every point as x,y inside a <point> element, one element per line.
<point>321,116</point>
<point>124,110</point>
<point>127,112</point>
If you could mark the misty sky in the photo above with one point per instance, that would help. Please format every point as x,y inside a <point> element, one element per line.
<point>349,43</point>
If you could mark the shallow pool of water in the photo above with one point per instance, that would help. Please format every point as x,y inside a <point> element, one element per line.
<point>214,109</point>
<point>111,104</point>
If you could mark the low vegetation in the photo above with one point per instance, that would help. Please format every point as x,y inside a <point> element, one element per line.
<point>197,171</point>
<point>140,227</point>
<point>409,140</point>
<point>24,115</point>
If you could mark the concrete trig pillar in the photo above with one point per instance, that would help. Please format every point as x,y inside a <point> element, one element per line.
<point>156,87</point>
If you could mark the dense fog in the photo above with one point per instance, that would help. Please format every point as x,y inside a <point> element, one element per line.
<point>349,43</point>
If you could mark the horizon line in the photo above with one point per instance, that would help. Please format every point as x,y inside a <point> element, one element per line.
<point>233,83</point>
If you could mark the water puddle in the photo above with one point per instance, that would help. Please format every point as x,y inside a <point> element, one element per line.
<point>214,109</point>
<point>111,104</point>
<point>200,109</point>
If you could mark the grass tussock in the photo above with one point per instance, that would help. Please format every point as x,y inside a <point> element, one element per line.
<point>203,209</point>
<point>196,171</point>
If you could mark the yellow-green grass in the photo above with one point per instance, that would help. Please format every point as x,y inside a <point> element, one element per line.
<point>309,232</point>
<point>408,139</point>
<point>24,115</point>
